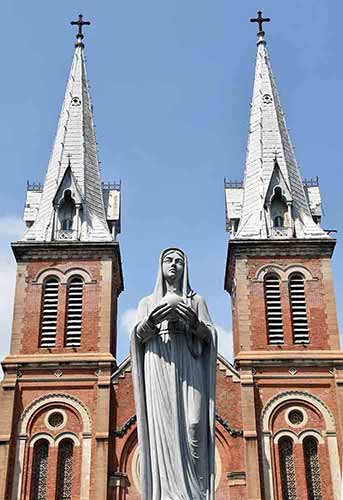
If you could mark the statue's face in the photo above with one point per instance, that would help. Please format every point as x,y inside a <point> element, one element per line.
<point>173,266</point>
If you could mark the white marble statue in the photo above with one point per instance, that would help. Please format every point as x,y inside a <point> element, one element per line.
<point>173,349</point>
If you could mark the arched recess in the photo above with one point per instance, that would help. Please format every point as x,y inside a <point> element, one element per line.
<point>23,436</point>
<point>283,272</point>
<point>299,398</point>
<point>63,276</point>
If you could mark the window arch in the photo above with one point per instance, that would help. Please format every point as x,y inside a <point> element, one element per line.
<point>273,308</point>
<point>298,309</point>
<point>49,312</point>
<point>287,469</point>
<point>312,468</point>
<point>64,478</point>
<point>39,470</point>
<point>74,312</point>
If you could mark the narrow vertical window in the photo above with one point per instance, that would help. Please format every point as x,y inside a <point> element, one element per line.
<point>49,313</point>
<point>39,470</point>
<point>312,469</point>
<point>298,309</point>
<point>273,309</point>
<point>74,312</point>
<point>65,470</point>
<point>287,469</point>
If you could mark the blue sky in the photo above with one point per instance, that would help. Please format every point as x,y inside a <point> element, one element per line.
<point>171,85</point>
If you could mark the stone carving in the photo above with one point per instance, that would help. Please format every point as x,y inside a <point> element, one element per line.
<point>173,349</point>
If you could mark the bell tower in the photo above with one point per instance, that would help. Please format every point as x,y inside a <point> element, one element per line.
<point>55,426</point>
<point>286,341</point>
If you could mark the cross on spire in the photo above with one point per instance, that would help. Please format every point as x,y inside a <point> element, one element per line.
<point>80,23</point>
<point>260,20</point>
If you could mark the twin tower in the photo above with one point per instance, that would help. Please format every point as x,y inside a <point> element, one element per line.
<point>67,419</point>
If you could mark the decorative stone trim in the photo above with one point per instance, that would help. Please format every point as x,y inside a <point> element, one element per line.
<point>283,272</point>
<point>300,397</point>
<point>313,433</point>
<point>51,412</point>
<point>303,413</point>
<point>118,480</point>
<point>236,478</point>
<point>126,426</point>
<point>121,431</point>
<point>42,435</point>
<point>49,399</point>
<point>67,435</point>
<point>233,432</point>
<point>287,433</point>
<point>62,276</point>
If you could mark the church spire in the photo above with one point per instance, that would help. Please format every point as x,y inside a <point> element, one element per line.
<point>272,202</point>
<point>71,204</point>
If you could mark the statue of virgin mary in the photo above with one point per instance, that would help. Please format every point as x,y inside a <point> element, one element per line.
<point>173,350</point>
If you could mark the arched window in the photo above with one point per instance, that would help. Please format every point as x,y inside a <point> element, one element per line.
<point>312,469</point>
<point>39,470</point>
<point>288,481</point>
<point>298,309</point>
<point>49,313</point>
<point>273,308</point>
<point>74,312</point>
<point>65,470</point>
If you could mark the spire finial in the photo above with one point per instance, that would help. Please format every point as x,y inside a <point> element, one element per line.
<point>79,36</point>
<point>260,20</point>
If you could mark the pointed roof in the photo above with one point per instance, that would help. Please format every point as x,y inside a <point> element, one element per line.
<point>269,138</point>
<point>75,143</point>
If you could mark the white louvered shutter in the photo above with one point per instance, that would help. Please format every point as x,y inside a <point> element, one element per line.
<point>298,309</point>
<point>74,312</point>
<point>273,308</point>
<point>49,313</point>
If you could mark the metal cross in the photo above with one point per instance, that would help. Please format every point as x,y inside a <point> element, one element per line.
<point>80,23</point>
<point>260,20</point>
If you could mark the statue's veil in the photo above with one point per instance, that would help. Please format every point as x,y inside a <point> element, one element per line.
<point>160,289</point>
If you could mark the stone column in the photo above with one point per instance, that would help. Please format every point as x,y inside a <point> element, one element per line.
<point>102,434</point>
<point>250,435</point>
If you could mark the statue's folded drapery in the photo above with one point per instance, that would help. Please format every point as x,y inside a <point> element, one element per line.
<point>174,380</point>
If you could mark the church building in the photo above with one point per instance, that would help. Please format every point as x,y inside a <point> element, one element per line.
<point>68,426</point>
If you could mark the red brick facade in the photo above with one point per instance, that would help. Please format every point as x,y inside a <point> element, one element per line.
<point>255,399</point>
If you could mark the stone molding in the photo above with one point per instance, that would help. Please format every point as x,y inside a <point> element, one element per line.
<point>296,396</point>
<point>55,398</point>
<point>283,272</point>
<point>63,276</point>
<point>54,441</point>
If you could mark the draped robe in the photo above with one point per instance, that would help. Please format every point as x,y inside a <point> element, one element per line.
<point>174,382</point>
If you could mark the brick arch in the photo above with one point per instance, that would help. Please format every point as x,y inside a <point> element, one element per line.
<point>29,412</point>
<point>63,276</point>
<point>286,433</point>
<point>50,399</point>
<point>298,397</point>
<point>283,273</point>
